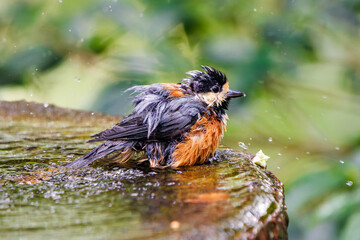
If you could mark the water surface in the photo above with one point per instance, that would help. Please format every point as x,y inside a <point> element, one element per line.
<point>227,198</point>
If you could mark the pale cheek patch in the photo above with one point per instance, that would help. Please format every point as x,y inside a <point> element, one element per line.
<point>210,98</point>
<point>214,99</point>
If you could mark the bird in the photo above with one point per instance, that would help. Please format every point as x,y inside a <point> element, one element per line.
<point>172,124</point>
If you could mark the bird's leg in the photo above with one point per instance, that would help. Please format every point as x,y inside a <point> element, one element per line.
<point>156,154</point>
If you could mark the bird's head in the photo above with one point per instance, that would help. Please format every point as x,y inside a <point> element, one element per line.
<point>210,86</point>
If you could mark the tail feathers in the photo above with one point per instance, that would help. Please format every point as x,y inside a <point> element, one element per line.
<point>99,152</point>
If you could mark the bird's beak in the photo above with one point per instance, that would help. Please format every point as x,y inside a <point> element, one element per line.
<point>234,94</point>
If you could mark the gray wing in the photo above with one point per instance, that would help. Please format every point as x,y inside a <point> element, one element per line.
<point>156,118</point>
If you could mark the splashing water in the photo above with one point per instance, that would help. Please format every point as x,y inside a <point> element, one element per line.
<point>243,145</point>
<point>349,183</point>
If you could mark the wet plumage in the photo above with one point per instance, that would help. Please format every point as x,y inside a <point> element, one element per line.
<point>172,124</point>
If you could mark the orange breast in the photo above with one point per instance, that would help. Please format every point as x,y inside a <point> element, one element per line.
<point>174,89</point>
<point>200,143</point>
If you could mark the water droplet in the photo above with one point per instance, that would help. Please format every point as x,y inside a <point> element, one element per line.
<point>46,105</point>
<point>242,145</point>
<point>270,139</point>
<point>337,148</point>
<point>175,225</point>
<point>349,183</point>
<point>341,161</point>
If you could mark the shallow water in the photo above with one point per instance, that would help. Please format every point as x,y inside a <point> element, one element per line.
<point>220,200</point>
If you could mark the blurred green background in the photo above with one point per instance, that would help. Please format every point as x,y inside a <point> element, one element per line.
<point>298,62</point>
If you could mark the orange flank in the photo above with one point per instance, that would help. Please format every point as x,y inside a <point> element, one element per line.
<point>174,89</point>
<point>200,143</point>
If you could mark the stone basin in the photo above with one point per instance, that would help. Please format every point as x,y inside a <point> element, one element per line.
<point>228,198</point>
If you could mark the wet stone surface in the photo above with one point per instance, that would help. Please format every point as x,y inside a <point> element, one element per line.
<point>229,198</point>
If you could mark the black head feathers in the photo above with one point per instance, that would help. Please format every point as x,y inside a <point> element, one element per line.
<point>211,80</point>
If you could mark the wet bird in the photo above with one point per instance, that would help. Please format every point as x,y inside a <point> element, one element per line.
<point>173,125</point>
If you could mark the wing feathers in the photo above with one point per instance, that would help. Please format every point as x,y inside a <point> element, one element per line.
<point>156,115</point>
<point>100,152</point>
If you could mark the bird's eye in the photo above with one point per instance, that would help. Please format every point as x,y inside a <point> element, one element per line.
<point>215,89</point>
